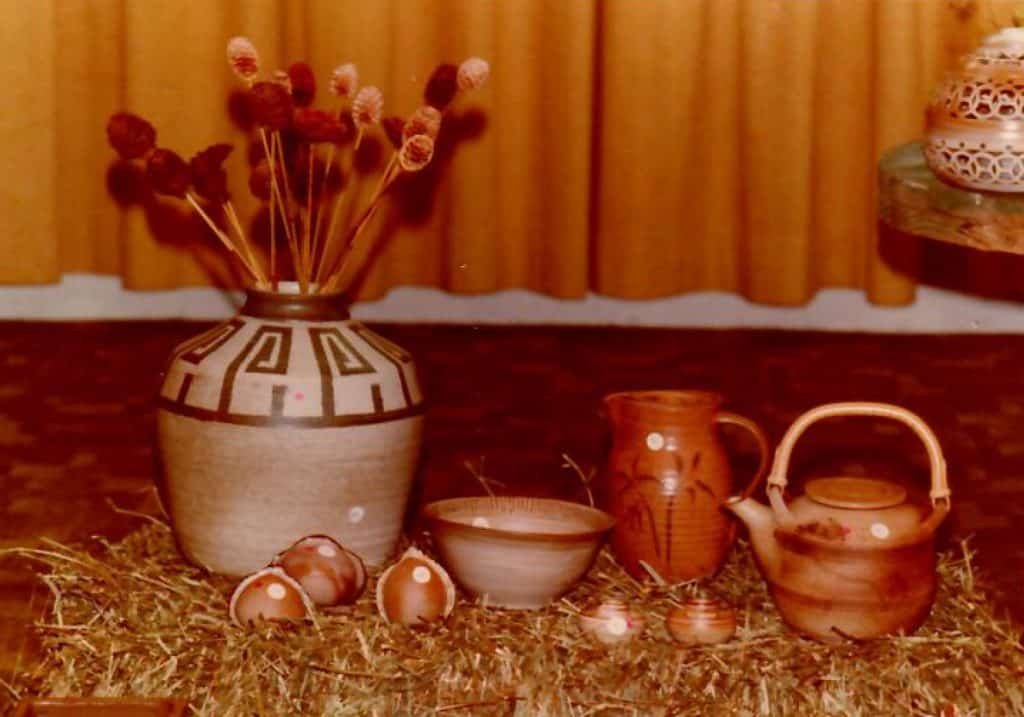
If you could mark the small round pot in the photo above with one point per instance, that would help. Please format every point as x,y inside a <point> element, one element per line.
<point>516,552</point>
<point>289,420</point>
<point>701,621</point>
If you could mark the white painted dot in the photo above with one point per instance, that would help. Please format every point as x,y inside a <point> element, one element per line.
<point>880,530</point>
<point>669,485</point>
<point>276,591</point>
<point>655,441</point>
<point>481,522</point>
<point>617,625</point>
<point>421,575</point>
<point>327,551</point>
<point>356,513</point>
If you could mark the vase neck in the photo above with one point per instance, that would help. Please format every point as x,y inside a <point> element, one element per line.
<point>305,307</point>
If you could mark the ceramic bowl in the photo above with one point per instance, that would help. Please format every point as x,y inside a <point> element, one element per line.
<point>516,552</point>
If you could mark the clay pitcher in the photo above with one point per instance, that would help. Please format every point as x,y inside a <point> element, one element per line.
<point>666,479</point>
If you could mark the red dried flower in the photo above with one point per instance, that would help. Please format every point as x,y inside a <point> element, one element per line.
<point>416,153</point>
<point>425,120</point>
<point>442,86</point>
<point>271,105</point>
<point>344,80</point>
<point>130,135</point>
<point>303,83</point>
<point>348,124</point>
<point>208,175</point>
<point>473,73</point>
<point>367,106</point>
<point>168,173</point>
<point>243,58</point>
<point>259,181</point>
<point>315,125</point>
<point>393,129</point>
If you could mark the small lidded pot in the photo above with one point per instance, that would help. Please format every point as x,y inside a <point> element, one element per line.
<point>612,623</point>
<point>975,121</point>
<point>701,621</point>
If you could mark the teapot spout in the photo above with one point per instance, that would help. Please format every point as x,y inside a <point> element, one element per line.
<point>760,522</point>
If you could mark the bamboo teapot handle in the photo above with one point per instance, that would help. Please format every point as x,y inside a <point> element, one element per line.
<point>777,481</point>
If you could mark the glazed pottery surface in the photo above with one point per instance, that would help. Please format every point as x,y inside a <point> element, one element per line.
<point>701,621</point>
<point>975,135</point>
<point>516,552</point>
<point>666,479</point>
<point>289,420</point>
<point>851,557</point>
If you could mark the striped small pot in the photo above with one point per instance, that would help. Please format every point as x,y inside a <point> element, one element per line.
<point>289,420</point>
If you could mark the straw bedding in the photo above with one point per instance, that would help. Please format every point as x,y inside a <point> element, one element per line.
<point>132,618</point>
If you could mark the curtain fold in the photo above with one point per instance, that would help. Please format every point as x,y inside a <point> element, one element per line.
<point>634,149</point>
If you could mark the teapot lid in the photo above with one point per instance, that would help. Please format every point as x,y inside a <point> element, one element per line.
<point>857,493</point>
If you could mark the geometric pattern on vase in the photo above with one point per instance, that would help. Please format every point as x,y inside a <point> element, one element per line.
<point>314,374</point>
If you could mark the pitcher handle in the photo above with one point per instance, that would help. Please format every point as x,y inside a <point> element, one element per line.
<point>939,494</point>
<point>736,419</point>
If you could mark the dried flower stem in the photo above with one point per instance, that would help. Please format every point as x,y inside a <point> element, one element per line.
<point>229,210</point>
<point>307,245</point>
<point>273,217</point>
<point>331,225</point>
<point>315,261</point>
<point>269,149</point>
<point>224,239</point>
<point>338,266</point>
<point>293,241</point>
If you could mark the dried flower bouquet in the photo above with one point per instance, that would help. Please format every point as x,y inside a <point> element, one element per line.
<point>298,171</point>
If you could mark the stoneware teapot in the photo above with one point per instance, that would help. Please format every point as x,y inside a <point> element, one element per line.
<point>851,557</point>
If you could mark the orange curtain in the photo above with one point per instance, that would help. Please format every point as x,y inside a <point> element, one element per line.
<point>634,149</point>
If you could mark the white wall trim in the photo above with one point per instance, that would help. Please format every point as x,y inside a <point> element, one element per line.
<point>89,297</point>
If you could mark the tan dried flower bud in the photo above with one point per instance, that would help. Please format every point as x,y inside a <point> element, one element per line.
<point>367,106</point>
<point>344,80</point>
<point>473,73</point>
<point>243,58</point>
<point>425,120</point>
<point>416,153</point>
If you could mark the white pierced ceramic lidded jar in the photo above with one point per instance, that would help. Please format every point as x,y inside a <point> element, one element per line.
<point>291,419</point>
<point>975,122</point>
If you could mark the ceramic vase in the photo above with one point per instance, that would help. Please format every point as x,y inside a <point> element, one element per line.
<point>666,479</point>
<point>288,420</point>
<point>975,135</point>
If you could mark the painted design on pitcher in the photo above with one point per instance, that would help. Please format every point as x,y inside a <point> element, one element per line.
<point>214,377</point>
<point>636,513</point>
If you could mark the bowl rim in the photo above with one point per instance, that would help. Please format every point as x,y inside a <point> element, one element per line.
<point>431,512</point>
